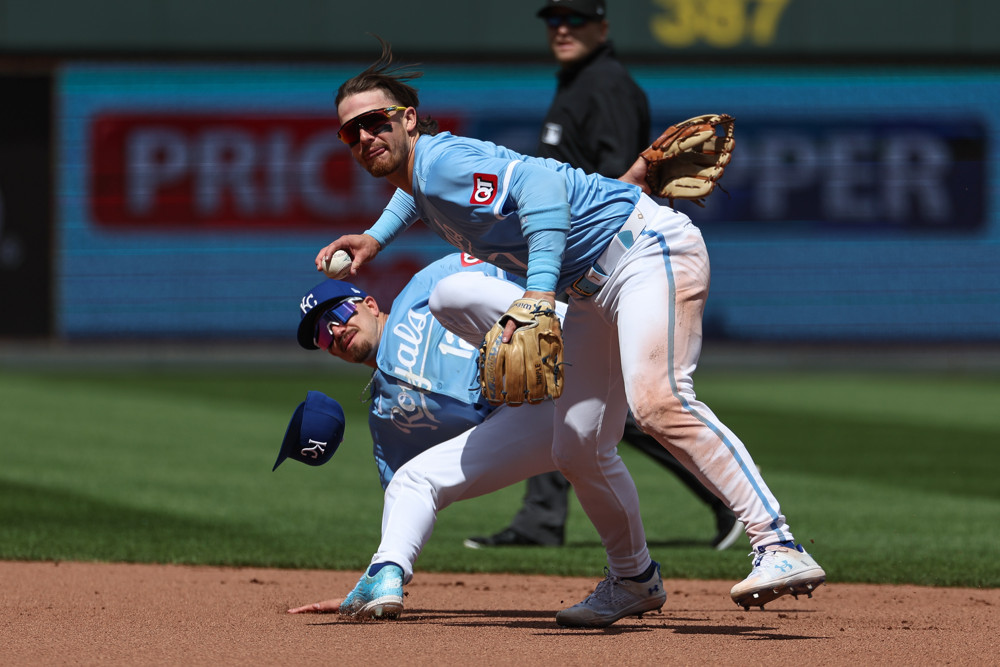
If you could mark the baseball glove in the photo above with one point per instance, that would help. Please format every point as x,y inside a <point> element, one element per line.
<point>687,160</point>
<point>529,366</point>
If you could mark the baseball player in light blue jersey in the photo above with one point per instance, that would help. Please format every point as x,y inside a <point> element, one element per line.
<point>435,440</point>
<point>425,388</point>
<point>637,275</point>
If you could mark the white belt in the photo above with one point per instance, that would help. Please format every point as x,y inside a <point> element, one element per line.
<point>590,282</point>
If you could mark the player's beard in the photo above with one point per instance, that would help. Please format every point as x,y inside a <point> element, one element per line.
<point>359,348</point>
<point>389,161</point>
<point>381,168</point>
<point>360,352</point>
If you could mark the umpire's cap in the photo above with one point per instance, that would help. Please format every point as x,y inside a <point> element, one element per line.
<point>592,9</point>
<point>321,297</point>
<point>315,431</point>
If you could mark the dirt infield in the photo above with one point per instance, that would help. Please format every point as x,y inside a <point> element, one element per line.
<point>88,614</point>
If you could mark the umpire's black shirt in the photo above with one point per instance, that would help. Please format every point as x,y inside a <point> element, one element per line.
<point>599,118</point>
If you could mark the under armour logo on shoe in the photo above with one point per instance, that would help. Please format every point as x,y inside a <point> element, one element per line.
<point>654,589</point>
<point>784,566</point>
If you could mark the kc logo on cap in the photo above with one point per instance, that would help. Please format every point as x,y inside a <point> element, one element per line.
<point>317,449</point>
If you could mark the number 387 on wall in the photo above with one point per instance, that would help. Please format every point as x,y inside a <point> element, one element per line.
<point>718,23</point>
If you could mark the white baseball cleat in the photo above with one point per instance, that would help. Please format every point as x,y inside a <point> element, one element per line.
<point>778,570</point>
<point>615,598</point>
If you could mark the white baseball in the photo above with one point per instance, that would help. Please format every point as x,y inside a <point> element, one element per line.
<point>338,267</point>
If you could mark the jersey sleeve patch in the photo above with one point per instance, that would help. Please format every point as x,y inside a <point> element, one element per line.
<point>484,189</point>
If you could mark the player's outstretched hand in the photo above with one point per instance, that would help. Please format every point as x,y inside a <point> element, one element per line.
<point>636,175</point>
<point>361,247</point>
<point>324,607</point>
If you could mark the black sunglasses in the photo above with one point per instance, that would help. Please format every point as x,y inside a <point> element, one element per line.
<point>554,21</point>
<point>370,121</point>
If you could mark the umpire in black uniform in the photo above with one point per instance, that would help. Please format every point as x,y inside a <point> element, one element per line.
<point>599,118</point>
<point>598,121</point>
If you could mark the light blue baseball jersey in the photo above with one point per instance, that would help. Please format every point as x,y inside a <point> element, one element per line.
<point>425,389</point>
<point>497,205</point>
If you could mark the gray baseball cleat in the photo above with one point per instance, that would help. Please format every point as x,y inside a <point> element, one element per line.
<point>615,598</point>
<point>778,570</point>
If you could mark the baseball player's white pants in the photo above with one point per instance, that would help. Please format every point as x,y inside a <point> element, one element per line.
<point>643,329</point>
<point>512,445</point>
<point>468,305</point>
<point>635,344</point>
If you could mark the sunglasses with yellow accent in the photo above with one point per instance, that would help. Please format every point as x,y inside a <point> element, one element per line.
<point>369,121</point>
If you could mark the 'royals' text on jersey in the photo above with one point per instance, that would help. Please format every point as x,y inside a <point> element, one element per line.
<point>425,388</point>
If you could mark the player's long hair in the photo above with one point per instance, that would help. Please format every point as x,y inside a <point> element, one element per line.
<point>392,80</point>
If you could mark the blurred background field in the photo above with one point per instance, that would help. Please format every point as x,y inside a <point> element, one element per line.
<point>168,169</point>
<point>886,475</point>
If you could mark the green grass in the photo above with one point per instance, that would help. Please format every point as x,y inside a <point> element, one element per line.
<point>887,478</point>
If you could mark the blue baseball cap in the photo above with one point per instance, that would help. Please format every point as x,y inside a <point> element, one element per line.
<point>315,431</point>
<point>321,297</point>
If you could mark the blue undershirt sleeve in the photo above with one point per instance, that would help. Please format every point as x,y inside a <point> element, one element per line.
<point>543,209</point>
<point>545,255</point>
<point>399,213</point>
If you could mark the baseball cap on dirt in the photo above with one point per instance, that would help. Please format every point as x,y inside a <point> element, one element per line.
<point>315,431</point>
<point>317,301</point>
<point>593,9</point>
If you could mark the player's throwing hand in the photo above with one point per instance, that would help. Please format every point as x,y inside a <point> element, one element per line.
<point>361,247</point>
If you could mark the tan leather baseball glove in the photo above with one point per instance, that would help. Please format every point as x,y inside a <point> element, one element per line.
<point>689,158</point>
<point>528,368</point>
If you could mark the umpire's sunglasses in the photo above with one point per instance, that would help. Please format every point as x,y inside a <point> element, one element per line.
<point>572,20</point>
<point>338,315</point>
<point>370,121</point>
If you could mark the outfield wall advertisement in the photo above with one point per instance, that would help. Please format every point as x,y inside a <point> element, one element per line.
<point>860,205</point>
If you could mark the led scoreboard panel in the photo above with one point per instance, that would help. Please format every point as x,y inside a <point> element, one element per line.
<point>860,204</point>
